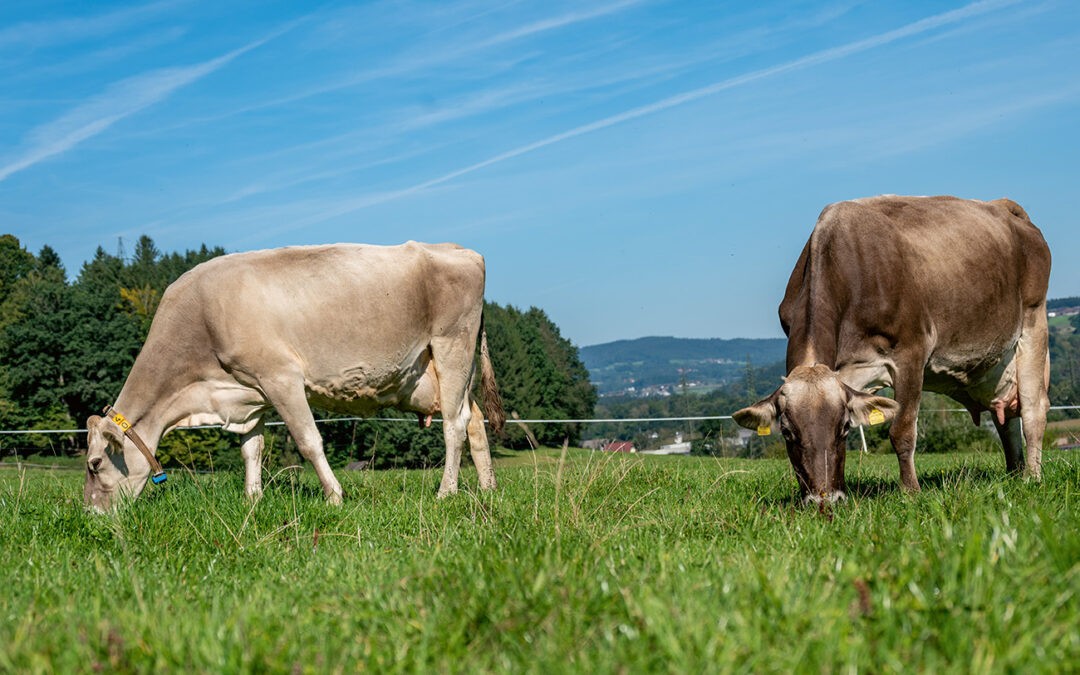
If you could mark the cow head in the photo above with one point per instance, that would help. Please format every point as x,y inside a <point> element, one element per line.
<point>114,466</point>
<point>814,410</point>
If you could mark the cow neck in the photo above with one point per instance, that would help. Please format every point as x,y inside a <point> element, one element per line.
<point>158,476</point>
<point>144,425</point>
<point>806,349</point>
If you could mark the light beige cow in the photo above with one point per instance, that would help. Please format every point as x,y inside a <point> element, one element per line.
<point>913,293</point>
<point>349,328</point>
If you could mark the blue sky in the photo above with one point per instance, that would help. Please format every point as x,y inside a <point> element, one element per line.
<point>633,167</point>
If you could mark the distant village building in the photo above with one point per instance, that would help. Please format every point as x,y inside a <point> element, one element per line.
<point>679,447</point>
<point>744,435</point>
<point>1063,311</point>
<point>620,446</point>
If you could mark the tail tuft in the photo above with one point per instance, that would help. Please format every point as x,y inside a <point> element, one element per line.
<point>493,405</point>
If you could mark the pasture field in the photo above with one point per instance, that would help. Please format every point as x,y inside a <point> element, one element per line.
<point>578,563</point>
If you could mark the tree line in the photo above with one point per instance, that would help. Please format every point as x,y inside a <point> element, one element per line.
<point>66,347</point>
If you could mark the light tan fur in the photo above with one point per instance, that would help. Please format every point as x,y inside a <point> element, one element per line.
<point>349,327</point>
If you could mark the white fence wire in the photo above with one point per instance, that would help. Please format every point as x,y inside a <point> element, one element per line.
<point>606,420</point>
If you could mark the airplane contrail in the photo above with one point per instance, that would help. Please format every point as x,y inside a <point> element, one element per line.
<point>119,100</point>
<point>824,56</point>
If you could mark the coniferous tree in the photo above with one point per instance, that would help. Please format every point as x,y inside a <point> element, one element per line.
<point>540,374</point>
<point>35,348</point>
<point>16,263</point>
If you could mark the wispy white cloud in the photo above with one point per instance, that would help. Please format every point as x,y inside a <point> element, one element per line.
<point>62,31</point>
<point>916,28</point>
<point>121,99</point>
<point>554,23</point>
<point>917,134</point>
<point>113,51</point>
<point>426,57</point>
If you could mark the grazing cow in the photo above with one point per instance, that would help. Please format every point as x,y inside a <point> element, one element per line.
<point>349,328</point>
<point>913,293</point>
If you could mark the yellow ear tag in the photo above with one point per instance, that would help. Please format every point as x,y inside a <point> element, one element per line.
<point>764,430</point>
<point>875,417</point>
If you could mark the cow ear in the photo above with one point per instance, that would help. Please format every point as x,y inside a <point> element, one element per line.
<point>111,432</point>
<point>94,456</point>
<point>869,409</point>
<point>761,416</point>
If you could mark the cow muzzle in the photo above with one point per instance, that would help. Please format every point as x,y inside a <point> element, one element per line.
<point>827,498</point>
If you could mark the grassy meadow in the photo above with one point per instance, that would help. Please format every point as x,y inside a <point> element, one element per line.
<point>580,562</point>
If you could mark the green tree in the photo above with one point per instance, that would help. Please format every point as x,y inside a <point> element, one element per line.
<point>16,263</point>
<point>540,374</point>
<point>105,338</point>
<point>1065,371</point>
<point>34,345</point>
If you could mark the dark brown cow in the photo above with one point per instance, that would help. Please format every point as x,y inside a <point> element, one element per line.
<point>913,293</point>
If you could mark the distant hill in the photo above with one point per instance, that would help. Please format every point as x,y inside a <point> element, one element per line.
<point>1058,303</point>
<point>660,365</point>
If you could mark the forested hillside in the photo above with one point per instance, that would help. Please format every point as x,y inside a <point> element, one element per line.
<point>657,365</point>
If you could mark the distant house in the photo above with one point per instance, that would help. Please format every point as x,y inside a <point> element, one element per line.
<point>620,446</point>
<point>679,447</point>
<point>1063,311</point>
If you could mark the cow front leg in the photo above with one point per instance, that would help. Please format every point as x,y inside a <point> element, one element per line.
<point>251,448</point>
<point>288,397</point>
<point>479,449</point>
<point>902,433</point>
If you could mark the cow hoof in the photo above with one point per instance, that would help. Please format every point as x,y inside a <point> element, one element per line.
<point>333,499</point>
<point>445,492</point>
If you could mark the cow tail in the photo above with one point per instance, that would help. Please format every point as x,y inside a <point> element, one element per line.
<point>493,405</point>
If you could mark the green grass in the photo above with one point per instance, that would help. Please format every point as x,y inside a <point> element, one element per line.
<point>597,563</point>
<point>1061,323</point>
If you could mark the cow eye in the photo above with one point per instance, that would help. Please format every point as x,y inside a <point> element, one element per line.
<point>785,428</point>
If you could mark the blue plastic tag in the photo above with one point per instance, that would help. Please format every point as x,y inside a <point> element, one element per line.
<point>159,478</point>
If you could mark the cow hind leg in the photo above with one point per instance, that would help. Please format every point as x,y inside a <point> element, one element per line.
<point>455,374</point>
<point>288,398</point>
<point>1012,441</point>
<point>251,448</point>
<point>1033,373</point>
<point>478,448</point>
